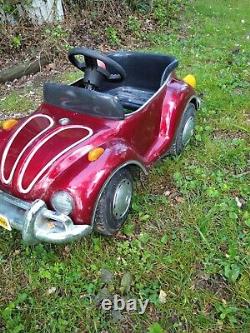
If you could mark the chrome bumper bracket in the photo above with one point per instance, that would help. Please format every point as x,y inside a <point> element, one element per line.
<point>39,224</point>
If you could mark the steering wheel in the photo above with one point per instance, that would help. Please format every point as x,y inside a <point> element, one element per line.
<point>93,72</point>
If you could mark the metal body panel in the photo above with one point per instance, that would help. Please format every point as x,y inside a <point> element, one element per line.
<point>140,139</point>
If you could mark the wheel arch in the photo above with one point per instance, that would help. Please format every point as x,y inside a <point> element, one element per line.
<point>195,101</point>
<point>133,166</point>
<point>135,169</point>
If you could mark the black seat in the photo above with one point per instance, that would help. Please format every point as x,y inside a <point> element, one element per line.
<point>146,72</point>
<point>130,97</point>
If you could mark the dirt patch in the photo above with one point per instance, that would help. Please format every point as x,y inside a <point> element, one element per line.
<point>226,134</point>
<point>114,26</point>
<point>213,283</point>
<point>12,281</point>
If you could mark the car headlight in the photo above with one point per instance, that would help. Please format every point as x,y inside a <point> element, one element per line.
<point>62,202</point>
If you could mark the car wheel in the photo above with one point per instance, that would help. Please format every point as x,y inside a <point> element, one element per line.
<point>114,203</point>
<point>185,131</point>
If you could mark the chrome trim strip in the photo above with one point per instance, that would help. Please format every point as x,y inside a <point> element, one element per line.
<point>40,144</point>
<point>7,148</point>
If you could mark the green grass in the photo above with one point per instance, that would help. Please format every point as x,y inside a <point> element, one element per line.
<point>15,103</point>
<point>193,244</point>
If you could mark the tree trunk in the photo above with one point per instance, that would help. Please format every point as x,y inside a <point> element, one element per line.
<point>38,11</point>
<point>27,68</point>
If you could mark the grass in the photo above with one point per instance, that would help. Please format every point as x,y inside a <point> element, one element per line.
<point>16,103</point>
<point>186,235</point>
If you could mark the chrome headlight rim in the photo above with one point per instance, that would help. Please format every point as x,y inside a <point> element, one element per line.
<point>62,202</point>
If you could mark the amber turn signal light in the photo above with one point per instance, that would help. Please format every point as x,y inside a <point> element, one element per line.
<point>95,153</point>
<point>7,125</point>
<point>191,80</point>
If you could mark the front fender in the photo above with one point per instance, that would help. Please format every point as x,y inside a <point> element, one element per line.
<point>4,136</point>
<point>86,181</point>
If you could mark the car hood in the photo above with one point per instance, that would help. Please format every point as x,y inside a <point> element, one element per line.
<point>36,147</point>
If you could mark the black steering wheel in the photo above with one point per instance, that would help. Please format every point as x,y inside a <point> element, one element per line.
<point>93,72</point>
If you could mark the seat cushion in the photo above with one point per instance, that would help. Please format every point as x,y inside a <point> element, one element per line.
<point>130,97</point>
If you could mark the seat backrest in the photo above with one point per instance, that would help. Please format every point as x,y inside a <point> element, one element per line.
<point>145,70</point>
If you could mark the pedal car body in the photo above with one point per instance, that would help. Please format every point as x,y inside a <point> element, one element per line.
<point>67,168</point>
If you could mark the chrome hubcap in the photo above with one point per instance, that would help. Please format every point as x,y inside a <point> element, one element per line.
<point>122,198</point>
<point>188,131</point>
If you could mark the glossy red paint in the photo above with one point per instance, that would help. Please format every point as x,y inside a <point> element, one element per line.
<point>142,137</point>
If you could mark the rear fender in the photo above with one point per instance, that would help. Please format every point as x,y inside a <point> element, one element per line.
<point>176,100</point>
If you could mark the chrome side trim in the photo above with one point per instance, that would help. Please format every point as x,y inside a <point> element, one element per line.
<point>7,148</point>
<point>130,162</point>
<point>39,145</point>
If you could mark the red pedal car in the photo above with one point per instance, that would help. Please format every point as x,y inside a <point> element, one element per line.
<point>68,168</point>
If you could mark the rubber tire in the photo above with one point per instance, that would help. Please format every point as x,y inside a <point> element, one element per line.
<point>178,146</point>
<point>105,223</point>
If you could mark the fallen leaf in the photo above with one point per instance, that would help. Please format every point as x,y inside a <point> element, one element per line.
<point>179,199</point>
<point>126,283</point>
<point>106,275</point>
<point>51,290</point>
<point>162,297</point>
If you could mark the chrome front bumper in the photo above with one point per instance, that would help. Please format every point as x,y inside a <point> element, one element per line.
<point>39,224</point>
